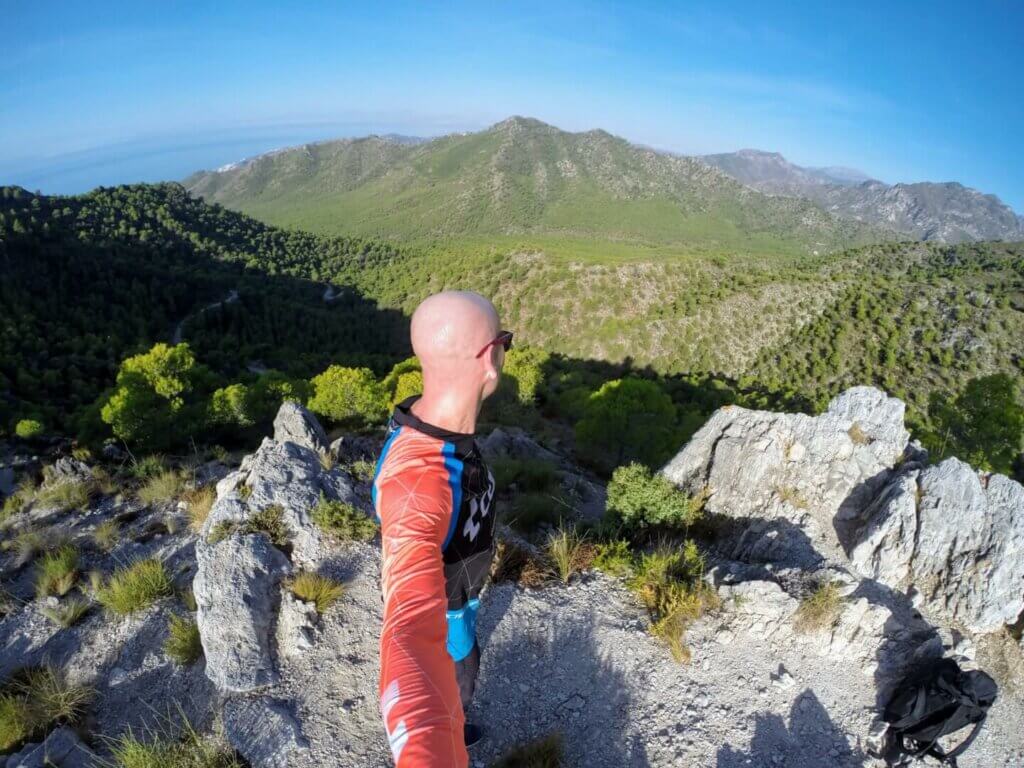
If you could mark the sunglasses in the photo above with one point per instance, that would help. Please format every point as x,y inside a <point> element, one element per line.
<point>504,338</point>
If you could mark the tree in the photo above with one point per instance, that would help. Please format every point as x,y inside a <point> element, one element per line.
<point>984,426</point>
<point>29,429</point>
<point>230,406</point>
<point>348,395</point>
<point>404,380</point>
<point>153,406</point>
<point>523,373</point>
<point>627,420</point>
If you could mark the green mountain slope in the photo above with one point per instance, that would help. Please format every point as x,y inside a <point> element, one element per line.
<point>525,183</point>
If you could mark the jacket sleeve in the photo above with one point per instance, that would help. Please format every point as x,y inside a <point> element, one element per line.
<point>419,696</point>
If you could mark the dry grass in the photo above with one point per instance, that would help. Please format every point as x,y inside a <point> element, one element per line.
<point>56,571</point>
<point>791,496</point>
<point>518,565</point>
<point>66,496</point>
<point>820,610</point>
<point>857,435</point>
<point>68,613</point>
<point>316,588</point>
<point>162,487</point>
<point>106,535</point>
<point>569,552</point>
<point>200,502</point>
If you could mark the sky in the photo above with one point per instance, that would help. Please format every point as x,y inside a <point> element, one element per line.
<point>103,92</point>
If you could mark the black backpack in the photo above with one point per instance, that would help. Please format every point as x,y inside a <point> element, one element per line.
<point>934,701</point>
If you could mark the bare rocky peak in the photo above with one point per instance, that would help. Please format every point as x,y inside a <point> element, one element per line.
<point>945,212</point>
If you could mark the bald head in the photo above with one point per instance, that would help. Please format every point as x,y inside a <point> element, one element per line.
<point>448,330</point>
<point>452,326</point>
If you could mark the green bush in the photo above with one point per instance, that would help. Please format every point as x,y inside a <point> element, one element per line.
<point>639,498</point>
<point>135,587</point>
<point>157,400</point>
<point>28,429</point>
<point>343,520</point>
<point>348,396</point>
<point>522,375</point>
<point>614,557</point>
<point>627,420</point>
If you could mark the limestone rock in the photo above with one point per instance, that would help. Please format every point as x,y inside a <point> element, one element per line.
<point>68,469</point>
<point>236,591</point>
<point>957,536</point>
<point>61,748</point>
<point>263,730</point>
<point>792,475</point>
<point>513,443</point>
<point>295,424</point>
<point>295,624</point>
<point>760,607</point>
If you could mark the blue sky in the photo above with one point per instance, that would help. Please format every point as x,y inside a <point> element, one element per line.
<point>99,92</point>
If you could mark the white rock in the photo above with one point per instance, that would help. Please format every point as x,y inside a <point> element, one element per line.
<point>295,424</point>
<point>263,730</point>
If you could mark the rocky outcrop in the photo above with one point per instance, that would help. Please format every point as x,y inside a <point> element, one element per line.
<point>954,535</point>
<point>846,488</point>
<point>245,623</point>
<point>60,749</point>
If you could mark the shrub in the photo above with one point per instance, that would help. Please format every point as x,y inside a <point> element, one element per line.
<point>348,396</point>
<point>149,466</point>
<point>163,487</point>
<point>343,520</point>
<point>56,571</point>
<point>527,474</point>
<point>669,584</point>
<point>627,420</point>
<point>315,588</point>
<point>200,502</point>
<point>614,557</point>
<point>106,535</point>
<point>569,552</point>
<point>542,753</point>
<point>28,429</point>
<point>639,498</point>
<point>819,610</point>
<point>135,587</point>
<point>183,642</point>
<point>522,374</point>
<point>68,613</point>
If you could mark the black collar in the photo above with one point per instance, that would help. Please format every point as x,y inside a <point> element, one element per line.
<point>404,417</point>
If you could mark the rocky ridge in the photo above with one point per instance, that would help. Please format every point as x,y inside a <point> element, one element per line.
<point>843,497</point>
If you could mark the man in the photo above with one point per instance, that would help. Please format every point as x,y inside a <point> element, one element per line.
<point>433,493</point>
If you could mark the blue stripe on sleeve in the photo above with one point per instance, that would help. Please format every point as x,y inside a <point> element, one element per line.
<point>454,467</point>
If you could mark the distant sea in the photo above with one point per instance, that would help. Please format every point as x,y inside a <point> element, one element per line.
<point>167,158</point>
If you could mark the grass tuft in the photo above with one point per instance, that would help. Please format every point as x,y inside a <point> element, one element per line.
<point>16,723</point>
<point>26,545</point>
<point>857,435</point>
<point>163,487</point>
<point>569,552</point>
<point>820,610</point>
<point>269,520</point>
<point>200,502</point>
<point>791,496</point>
<point>106,535</point>
<point>343,520</point>
<point>518,565</point>
<point>66,496</point>
<point>190,751</point>
<point>315,588</point>
<point>68,613</point>
<point>183,642</point>
<point>56,571</point>
<point>542,753</point>
<point>136,587</point>
<point>149,466</point>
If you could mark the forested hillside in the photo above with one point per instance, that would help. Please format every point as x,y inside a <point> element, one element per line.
<point>94,279</point>
<point>523,183</point>
<point>89,280</point>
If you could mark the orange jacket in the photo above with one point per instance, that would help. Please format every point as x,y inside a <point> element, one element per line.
<point>414,496</point>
